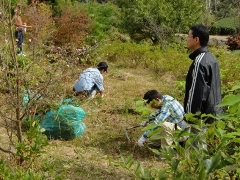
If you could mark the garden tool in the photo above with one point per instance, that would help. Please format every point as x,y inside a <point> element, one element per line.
<point>126,133</point>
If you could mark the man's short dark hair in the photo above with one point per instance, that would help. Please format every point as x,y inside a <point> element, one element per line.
<point>201,32</point>
<point>102,66</point>
<point>151,95</point>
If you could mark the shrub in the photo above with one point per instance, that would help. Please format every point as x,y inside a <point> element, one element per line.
<point>104,20</point>
<point>215,30</point>
<point>39,17</point>
<point>227,30</point>
<point>72,25</point>
<point>233,42</point>
<point>227,26</point>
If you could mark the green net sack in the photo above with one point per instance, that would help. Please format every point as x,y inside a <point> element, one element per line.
<point>65,123</point>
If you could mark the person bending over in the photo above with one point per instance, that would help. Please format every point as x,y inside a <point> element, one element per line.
<point>169,116</point>
<point>90,81</point>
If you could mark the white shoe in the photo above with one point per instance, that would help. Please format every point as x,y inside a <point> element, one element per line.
<point>21,54</point>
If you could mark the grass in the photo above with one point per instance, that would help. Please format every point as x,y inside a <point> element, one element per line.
<point>226,22</point>
<point>93,155</point>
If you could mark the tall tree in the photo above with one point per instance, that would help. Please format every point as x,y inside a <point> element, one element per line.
<point>158,19</point>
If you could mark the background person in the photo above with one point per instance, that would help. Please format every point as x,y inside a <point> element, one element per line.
<point>20,28</point>
<point>203,84</point>
<point>90,81</point>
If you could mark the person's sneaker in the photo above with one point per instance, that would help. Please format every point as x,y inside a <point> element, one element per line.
<point>21,54</point>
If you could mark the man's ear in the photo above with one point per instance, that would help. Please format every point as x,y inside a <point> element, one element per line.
<point>197,40</point>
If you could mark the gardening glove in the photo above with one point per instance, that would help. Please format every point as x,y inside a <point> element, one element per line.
<point>144,123</point>
<point>141,141</point>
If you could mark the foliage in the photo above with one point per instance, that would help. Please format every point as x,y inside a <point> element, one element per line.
<point>146,56</point>
<point>225,26</point>
<point>215,30</point>
<point>39,17</point>
<point>17,173</point>
<point>233,42</point>
<point>33,142</point>
<point>193,161</point>
<point>72,25</point>
<point>20,74</point>
<point>158,20</point>
<point>104,18</point>
<point>224,8</point>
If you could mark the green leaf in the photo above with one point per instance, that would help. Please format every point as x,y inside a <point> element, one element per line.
<point>162,174</point>
<point>238,111</point>
<point>212,163</point>
<point>140,103</point>
<point>202,174</point>
<point>150,126</point>
<point>233,109</point>
<point>137,166</point>
<point>130,163</point>
<point>175,164</point>
<point>235,87</point>
<point>155,151</point>
<point>230,100</point>
<point>221,124</point>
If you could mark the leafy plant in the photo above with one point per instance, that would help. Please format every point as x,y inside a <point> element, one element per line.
<point>233,42</point>
<point>72,25</point>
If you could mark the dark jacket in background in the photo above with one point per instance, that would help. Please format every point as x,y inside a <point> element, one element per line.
<point>203,85</point>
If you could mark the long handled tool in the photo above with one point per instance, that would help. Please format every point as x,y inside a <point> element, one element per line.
<point>126,133</point>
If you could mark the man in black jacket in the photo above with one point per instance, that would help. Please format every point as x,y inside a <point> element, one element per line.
<point>203,85</point>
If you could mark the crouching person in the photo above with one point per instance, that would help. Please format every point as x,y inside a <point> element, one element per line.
<point>90,81</point>
<point>170,115</point>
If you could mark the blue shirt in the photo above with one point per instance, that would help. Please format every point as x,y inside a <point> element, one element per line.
<point>89,78</point>
<point>170,111</point>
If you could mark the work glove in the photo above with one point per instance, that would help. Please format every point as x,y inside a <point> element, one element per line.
<point>144,123</point>
<point>141,141</point>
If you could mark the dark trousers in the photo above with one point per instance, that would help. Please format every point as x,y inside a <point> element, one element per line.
<point>19,36</point>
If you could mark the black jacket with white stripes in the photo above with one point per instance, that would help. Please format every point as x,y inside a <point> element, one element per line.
<point>203,84</point>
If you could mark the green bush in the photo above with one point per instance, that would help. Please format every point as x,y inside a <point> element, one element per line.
<point>215,30</point>
<point>219,161</point>
<point>227,30</point>
<point>227,26</point>
<point>222,30</point>
<point>146,56</point>
<point>104,19</point>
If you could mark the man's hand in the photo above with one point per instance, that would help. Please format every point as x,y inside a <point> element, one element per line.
<point>141,141</point>
<point>144,123</point>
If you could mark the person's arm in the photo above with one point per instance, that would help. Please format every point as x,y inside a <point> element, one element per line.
<point>162,115</point>
<point>199,90</point>
<point>99,83</point>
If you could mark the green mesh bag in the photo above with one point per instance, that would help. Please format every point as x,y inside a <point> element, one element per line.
<point>65,123</point>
